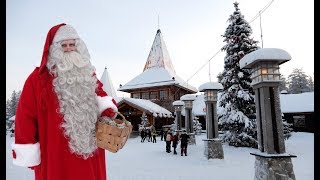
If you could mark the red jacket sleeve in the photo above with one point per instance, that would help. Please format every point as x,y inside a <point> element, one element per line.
<point>106,104</point>
<point>26,148</point>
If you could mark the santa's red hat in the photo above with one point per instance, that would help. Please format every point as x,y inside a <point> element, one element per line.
<point>56,33</point>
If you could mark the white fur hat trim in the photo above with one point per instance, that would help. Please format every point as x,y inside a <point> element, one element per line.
<point>64,33</point>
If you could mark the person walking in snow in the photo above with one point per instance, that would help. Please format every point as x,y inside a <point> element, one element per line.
<point>57,112</point>
<point>169,138</point>
<point>143,135</point>
<point>149,134</point>
<point>154,134</point>
<point>161,134</point>
<point>175,142</point>
<point>184,138</point>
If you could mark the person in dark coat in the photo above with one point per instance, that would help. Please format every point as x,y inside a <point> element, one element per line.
<point>161,134</point>
<point>148,133</point>
<point>184,138</point>
<point>175,142</point>
<point>143,135</point>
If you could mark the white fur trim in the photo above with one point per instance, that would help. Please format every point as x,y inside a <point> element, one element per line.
<point>27,155</point>
<point>105,103</point>
<point>65,32</point>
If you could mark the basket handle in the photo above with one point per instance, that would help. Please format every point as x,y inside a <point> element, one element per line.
<point>123,118</point>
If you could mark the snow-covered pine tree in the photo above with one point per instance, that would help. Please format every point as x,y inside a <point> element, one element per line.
<point>237,120</point>
<point>311,83</point>
<point>283,83</point>
<point>144,121</point>
<point>12,104</point>
<point>287,128</point>
<point>11,107</point>
<point>197,126</point>
<point>298,82</point>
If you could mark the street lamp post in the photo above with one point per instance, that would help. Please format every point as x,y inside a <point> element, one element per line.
<point>271,162</point>
<point>188,104</point>
<point>213,145</point>
<point>178,107</point>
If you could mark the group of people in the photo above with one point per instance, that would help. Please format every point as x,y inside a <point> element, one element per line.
<point>170,139</point>
<point>151,133</point>
<point>183,138</point>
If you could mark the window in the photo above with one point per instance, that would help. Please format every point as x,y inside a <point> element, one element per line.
<point>154,95</point>
<point>136,95</point>
<point>299,121</point>
<point>145,95</point>
<point>163,94</point>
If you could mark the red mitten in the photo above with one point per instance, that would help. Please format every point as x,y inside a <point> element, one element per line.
<point>108,112</point>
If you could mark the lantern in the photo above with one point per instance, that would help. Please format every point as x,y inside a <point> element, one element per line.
<point>265,64</point>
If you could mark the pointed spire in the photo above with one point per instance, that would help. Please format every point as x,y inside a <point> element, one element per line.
<point>159,56</point>
<point>107,84</point>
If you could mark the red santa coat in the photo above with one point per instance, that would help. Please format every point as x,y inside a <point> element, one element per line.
<point>39,139</point>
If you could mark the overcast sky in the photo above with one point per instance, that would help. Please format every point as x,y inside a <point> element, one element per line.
<point>119,34</point>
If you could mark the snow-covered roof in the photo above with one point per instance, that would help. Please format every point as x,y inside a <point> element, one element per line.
<point>178,103</point>
<point>158,70</point>
<point>291,103</point>
<point>199,106</point>
<point>265,54</point>
<point>210,85</point>
<point>159,56</point>
<point>155,77</point>
<point>188,97</point>
<point>145,105</point>
<point>107,83</point>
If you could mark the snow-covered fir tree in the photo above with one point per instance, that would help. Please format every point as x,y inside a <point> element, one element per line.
<point>197,126</point>
<point>144,121</point>
<point>311,83</point>
<point>11,107</point>
<point>298,82</point>
<point>283,84</point>
<point>173,126</point>
<point>237,120</point>
<point>12,104</point>
<point>287,128</point>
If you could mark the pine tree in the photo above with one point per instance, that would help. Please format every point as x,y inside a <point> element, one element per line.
<point>11,107</point>
<point>311,83</point>
<point>298,82</point>
<point>287,128</point>
<point>237,120</point>
<point>144,121</point>
<point>283,84</point>
<point>197,126</point>
<point>219,77</point>
<point>12,104</point>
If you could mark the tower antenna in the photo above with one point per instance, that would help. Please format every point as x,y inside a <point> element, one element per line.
<point>158,22</point>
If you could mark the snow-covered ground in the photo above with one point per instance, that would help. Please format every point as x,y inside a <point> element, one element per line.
<point>149,161</point>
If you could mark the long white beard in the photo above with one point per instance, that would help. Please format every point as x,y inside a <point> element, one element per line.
<point>75,86</point>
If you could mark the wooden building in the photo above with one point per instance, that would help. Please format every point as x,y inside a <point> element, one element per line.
<point>133,110</point>
<point>158,82</point>
<point>298,109</point>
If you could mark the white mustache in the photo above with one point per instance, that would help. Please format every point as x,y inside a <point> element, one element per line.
<point>71,59</point>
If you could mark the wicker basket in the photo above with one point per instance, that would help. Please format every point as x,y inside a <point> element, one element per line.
<point>113,136</point>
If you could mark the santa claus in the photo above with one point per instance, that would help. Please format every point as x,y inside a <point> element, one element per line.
<point>58,110</point>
